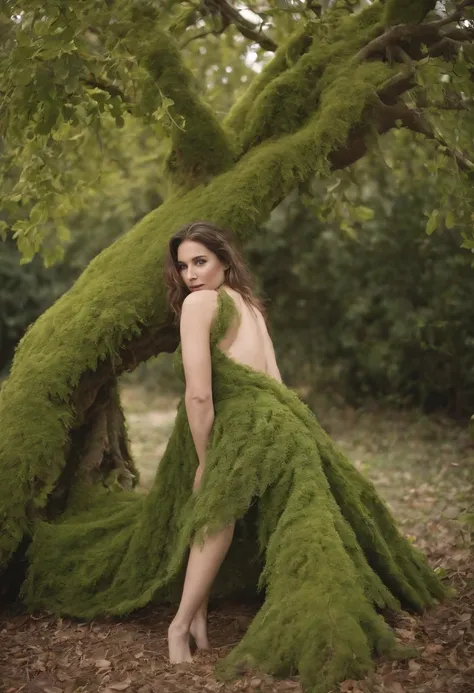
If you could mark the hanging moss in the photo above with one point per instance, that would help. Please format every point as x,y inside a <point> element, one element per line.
<point>312,531</point>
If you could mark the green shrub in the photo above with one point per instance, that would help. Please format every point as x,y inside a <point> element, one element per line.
<point>385,313</point>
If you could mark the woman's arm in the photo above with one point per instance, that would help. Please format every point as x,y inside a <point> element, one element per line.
<point>196,318</point>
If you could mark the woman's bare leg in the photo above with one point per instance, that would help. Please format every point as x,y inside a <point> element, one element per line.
<point>198,628</point>
<point>203,564</point>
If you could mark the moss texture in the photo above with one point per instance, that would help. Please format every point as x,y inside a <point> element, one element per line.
<point>326,547</point>
<point>200,148</point>
<point>293,95</point>
<point>284,58</point>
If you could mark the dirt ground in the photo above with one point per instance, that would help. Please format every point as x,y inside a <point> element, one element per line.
<point>424,469</point>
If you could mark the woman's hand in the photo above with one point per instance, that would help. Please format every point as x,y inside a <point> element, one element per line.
<point>197,477</point>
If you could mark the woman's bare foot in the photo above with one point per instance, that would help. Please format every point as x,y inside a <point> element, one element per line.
<point>178,644</point>
<point>198,630</point>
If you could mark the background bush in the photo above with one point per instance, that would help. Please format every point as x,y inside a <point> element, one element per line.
<point>375,309</point>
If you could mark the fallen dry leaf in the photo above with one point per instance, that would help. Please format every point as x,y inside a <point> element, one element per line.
<point>404,633</point>
<point>102,663</point>
<point>119,685</point>
<point>414,666</point>
<point>432,648</point>
<point>397,687</point>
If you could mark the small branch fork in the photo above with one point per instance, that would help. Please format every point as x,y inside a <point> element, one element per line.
<point>427,34</point>
<point>231,16</point>
<point>414,120</point>
<point>403,43</point>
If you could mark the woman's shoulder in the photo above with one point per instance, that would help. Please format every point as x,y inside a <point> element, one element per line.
<point>204,300</point>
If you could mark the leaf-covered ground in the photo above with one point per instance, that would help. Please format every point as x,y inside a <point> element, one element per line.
<point>422,466</point>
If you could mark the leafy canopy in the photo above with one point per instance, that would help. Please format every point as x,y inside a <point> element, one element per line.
<point>76,77</point>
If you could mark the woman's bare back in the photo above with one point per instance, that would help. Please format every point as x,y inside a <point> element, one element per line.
<point>247,340</point>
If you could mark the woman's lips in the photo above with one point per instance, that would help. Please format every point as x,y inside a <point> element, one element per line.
<point>195,288</point>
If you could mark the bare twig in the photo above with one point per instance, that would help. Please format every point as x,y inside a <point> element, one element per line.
<point>245,27</point>
<point>414,120</point>
<point>202,34</point>
<point>454,16</point>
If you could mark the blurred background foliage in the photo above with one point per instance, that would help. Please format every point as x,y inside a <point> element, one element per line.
<point>368,275</point>
<point>370,306</point>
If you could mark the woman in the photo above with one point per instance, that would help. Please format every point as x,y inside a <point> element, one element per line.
<point>248,480</point>
<point>200,262</point>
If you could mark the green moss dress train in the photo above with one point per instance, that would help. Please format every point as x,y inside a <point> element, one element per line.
<point>311,532</point>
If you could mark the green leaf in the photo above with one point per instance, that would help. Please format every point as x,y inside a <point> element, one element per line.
<point>48,120</point>
<point>432,223</point>
<point>349,230</point>
<point>23,77</point>
<point>38,214</point>
<point>62,132</point>
<point>362,213</point>
<point>63,233</point>
<point>166,102</point>
<point>450,219</point>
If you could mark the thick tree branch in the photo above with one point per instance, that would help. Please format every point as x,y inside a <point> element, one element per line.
<point>200,147</point>
<point>287,55</point>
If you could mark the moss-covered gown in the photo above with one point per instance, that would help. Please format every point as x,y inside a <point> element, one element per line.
<point>310,529</point>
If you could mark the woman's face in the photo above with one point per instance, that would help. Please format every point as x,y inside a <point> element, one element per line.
<point>199,267</point>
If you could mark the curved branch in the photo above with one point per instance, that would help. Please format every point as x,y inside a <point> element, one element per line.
<point>414,120</point>
<point>202,34</point>
<point>246,28</point>
<point>287,55</point>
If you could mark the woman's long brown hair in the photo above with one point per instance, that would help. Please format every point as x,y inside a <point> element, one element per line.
<point>219,242</point>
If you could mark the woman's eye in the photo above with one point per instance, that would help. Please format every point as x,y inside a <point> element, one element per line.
<point>201,262</point>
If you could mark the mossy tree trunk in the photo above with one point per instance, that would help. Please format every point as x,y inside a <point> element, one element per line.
<point>312,109</point>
